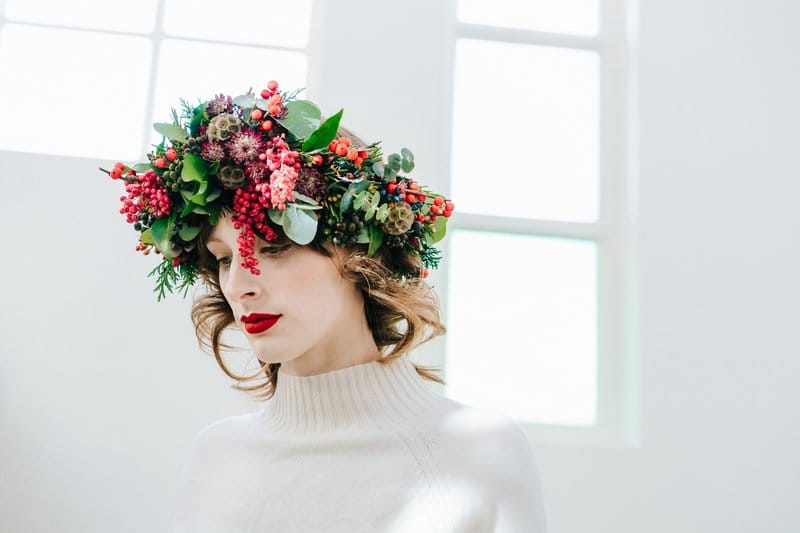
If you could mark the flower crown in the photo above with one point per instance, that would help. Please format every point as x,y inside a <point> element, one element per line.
<point>271,161</point>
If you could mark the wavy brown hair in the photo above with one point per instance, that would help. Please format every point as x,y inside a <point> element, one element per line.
<point>389,303</point>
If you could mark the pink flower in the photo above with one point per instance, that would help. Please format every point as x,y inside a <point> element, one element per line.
<point>282,182</point>
<point>245,146</point>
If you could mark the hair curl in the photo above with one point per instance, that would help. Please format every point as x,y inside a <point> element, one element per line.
<point>389,302</point>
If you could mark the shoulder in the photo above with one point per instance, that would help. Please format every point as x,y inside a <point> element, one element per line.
<point>221,434</point>
<point>487,436</point>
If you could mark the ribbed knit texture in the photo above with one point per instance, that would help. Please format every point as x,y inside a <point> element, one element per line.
<point>367,448</point>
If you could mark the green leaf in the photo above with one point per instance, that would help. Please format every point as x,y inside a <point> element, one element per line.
<point>260,103</point>
<point>194,168</point>
<point>276,215</point>
<point>370,213</point>
<point>382,212</point>
<point>322,136</point>
<point>213,194</point>
<point>300,225</point>
<point>189,206</point>
<point>200,210</point>
<point>172,131</point>
<point>197,117</point>
<point>375,239</point>
<point>408,160</point>
<point>377,167</point>
<point>439,228</point>
<point>302,119</point>
<point>363,235</point>
<point>394,161</point>
<point>376,196</point>
<point>147,236</point>
<point>359,200</point>
<point>142,167</point>
<point>162,231</point>
<point>187,233</point>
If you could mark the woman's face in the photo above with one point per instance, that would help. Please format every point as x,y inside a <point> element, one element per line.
<point>322,325</point>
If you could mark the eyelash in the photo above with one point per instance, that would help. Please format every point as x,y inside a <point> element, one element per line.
<point>278,251</point>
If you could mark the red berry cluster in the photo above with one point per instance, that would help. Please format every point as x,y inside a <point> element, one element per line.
<point>342,148</point>
<point>249,204</point>
<point>147,193</point>
<point>274,105</point>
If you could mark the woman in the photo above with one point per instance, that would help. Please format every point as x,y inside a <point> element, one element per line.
<point>351,437</point>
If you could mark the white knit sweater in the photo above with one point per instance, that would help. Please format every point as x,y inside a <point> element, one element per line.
<point>367,448</point>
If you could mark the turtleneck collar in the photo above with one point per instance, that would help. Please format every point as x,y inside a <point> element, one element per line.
<point>373,394</point>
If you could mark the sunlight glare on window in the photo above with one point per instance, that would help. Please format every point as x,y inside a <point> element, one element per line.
<point>110,15</point>
<point>78,76</point>
<point>521,325</point>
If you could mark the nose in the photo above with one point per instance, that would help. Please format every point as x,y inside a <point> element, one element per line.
<point>241,283</point>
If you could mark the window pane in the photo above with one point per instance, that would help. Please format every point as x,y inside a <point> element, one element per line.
<point>184,69</point>
<point>525,131</point>
<point>114,15</point>
<point>523,340</point>
<point>73,93</point>
<point>580,17</point>
<point>264,22</point>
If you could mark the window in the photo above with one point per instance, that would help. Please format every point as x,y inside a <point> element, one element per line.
<point>118,67</point>
<point>541,279</point>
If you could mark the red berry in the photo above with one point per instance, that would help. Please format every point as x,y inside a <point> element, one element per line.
<point>256,114</point>
<point>265,93</point>
<point>274,109</point>
<point>425,273</point>
<point>344,140</point>
<point>434,210</point>
<point>266,125</point>
<point>341,149</point>
<point>119,165</point>
<point>316,159</point>
<point>414,187</point>
<point>447,214</point>
<point>352,154</point>
<point>410,198</point>
<point>432,218</point>
<point>332,145</point>
<point>160,163</point>
<point>390,187</point>
<point>172,154</point>
<point>359,160</point>
<point>450,206</point>
<point>115,173</point>
<point>363,154</point>
<point>421,197</point>
<point>421,217</point>
<point>272,85</point>
<point>439,200</point>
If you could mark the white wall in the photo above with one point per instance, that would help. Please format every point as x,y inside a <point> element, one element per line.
<point>101,388</point>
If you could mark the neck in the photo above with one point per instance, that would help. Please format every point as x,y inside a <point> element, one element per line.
<point>372,394</point>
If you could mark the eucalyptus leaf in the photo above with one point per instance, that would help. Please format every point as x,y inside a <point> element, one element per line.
<point>300,225</point>
<point>394,161</point>
<point>377,167</point>
<point>245,100</point>
<point>142,167</point>
<point>363,235</point>
<point>370,213</point>
<point>172,131</point>
<point>276,215</point>
<point>407,165</point>
<point>323,135</point>
<point>346,201</point>
<point>382,212</point>
<point>305,198</point>
<point>358,201</point>
<point>261,104</point>
<point>302,119</point>
<point>187,233</point>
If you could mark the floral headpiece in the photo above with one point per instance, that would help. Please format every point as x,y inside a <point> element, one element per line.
<point>271,161</point>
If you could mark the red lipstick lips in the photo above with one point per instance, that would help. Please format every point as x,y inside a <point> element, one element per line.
<point>259,322</point>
